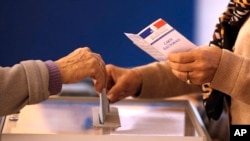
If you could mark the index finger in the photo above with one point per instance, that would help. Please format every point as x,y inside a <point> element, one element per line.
<point>181,57</point>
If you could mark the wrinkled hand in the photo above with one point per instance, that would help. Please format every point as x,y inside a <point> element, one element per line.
<point>122,82</point>
<point>80,64</point>
<point>201,64</point>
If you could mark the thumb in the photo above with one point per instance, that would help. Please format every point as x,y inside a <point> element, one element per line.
<point>116,93</point>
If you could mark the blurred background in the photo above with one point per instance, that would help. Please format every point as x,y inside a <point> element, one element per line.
<point>50,29</point>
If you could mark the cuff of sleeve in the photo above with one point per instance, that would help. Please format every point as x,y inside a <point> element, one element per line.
<point>55,80</point>
<point>222,81</point>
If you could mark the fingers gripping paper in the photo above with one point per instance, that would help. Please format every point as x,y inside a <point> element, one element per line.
<point>159,38</point>
<point>105,116</point>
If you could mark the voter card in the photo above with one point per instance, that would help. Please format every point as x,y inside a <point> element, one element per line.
<point>104,106</point>
<point>159,39</point>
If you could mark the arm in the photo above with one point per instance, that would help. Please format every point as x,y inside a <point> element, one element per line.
<point>33,81</point>
<point>22,84</point>
<point>237,83</point>
<point>236,64</point>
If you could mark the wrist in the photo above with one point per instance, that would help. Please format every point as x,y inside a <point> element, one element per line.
<point>139,81</point>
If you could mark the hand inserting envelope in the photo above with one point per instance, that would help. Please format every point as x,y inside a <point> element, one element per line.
<point>105,116</point>
<point>159,38</point>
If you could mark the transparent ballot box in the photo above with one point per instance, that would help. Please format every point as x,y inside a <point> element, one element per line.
<point>70,119</point>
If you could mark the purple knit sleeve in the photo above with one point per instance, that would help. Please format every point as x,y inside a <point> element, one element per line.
<point>55,80</point>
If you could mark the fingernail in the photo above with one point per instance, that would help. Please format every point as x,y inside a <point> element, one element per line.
<point>109,96</point>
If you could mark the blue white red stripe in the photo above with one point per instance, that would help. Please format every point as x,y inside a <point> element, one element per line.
<point>158,24</point>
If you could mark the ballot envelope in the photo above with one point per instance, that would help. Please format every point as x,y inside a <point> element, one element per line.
<point>68,118</point>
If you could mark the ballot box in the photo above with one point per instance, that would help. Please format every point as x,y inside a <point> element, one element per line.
<point>67,118</point>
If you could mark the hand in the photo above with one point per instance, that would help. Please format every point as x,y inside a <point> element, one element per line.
<point>80,64</point>
<point>122,82</point>
<point>198,65</point>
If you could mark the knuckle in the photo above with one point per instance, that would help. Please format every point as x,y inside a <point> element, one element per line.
<point>86,49</point>
<point>178,75</point>
<point>109,66</point>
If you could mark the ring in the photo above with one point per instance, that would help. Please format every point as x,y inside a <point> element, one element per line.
<point>188,80</point>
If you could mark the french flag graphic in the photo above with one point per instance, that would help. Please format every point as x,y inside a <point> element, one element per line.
<point>158,24</point>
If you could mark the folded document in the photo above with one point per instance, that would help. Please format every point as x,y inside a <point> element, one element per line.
<point>159,38</point>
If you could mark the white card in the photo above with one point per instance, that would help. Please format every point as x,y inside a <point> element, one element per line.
<point>104,106</point>
<point>159,38</point>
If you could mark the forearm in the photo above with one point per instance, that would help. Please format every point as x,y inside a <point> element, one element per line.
<point>23,84</point>
<point>233,76</point>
